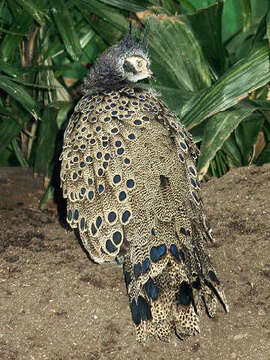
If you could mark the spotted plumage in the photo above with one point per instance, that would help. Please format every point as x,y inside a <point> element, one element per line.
<point>129,177</point>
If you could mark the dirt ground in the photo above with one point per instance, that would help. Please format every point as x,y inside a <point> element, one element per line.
<point>56,304</point>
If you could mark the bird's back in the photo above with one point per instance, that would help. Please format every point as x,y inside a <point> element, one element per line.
<point>129,177</point>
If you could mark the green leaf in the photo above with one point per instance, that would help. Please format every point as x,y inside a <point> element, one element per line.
<point>65,24</point>
<point>46,142</point>
<point>19,94</point>
<point>62,114</point>
<point>216,131</point>
<point>11,70</point>
<point>9,129</point>
<point>246,135</point>
<point>18,152</point>
<point>231,149</point>
<point>10,44</point>
<point>246,13</point>
<point>33,9</point>
<point>207,26</point>
<point>130,5</point>
<point>264,156</point>
<point>232,19</point>
<point>105,12</point>
<point>177,59</point>
<point>245,76</point>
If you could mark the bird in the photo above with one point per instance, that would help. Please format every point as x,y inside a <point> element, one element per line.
<point>128,174</point>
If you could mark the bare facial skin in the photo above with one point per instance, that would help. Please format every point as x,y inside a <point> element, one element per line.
<point>137,68</point>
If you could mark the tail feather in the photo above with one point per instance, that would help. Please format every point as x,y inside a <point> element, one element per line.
<point>172,301</point>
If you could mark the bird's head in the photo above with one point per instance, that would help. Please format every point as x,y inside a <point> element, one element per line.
<point>123,63</point>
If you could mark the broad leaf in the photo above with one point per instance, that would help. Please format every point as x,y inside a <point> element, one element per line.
<point>216,131</point>
<point>245,76</point>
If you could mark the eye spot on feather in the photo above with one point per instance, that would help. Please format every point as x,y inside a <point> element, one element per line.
<point>117,238</point>
<point>75,159</point>
<point>153,232</point>
<point>100,188</point>
<point>122,196</point>
<point>82,164</point>
<point>181,134</point>
<point>157,252</point>
<point>183,145</point>
<point>76,215</point>
<point>151,290</point>
<point>192,170</point>
<point>105,165</point>
<point>184,294</point>
<point>90,195</point>
<point>120,151</point>
<point>110,247</point>
<point>107,156</point>
<point>145,118</point>
<point>90,181</point>
<point>118,143</point>
<point>137,122</point>
<point>107,119</point>
<point>99,155</point>
<point>182,255</point>
<point>98,222</point>
<point>100,172</point>
<point>69,215</point>
<point>116,179</point>
<point>98,128</point>
<point>181,157</point>
<point>114,130</point>
<point>131,136</point>
<point>92,141</point>
<point>125,216</point>
<point>93,229</point>
<point>82,147</point>
<point>130,184</point>
<point>195,197</point>
<point>193,182</point>
<point>145,266</point>
<point>83,190</point>
<point>93,119</point>
<point>174,251</point>
<point>137,269</point>
<point>140,310</point>
<point>82,224</point>
<point>74,176</point>
<point>127,161</point>
<point>112,217</point>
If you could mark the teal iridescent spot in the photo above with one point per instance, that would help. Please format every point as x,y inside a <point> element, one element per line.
<point>156,253</point>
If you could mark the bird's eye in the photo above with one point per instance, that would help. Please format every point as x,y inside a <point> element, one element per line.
<point>139,63</point>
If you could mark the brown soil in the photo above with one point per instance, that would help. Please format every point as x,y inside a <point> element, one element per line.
<point>56,304</point>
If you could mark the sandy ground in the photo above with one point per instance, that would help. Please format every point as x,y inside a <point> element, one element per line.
<point>56,304</point>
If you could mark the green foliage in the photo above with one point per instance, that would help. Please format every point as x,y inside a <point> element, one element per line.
<point>210,59</point>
